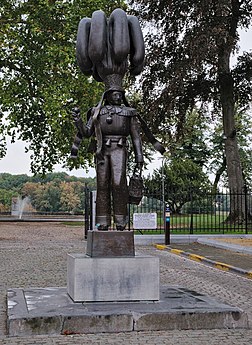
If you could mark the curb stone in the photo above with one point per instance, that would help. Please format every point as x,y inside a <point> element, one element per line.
<point>216,264</point>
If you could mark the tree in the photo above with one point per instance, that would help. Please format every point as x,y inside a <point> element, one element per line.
<point>6,199</point>
<point>56,192</point>
<point>193,144</point>
<point>69,199</point>
<point>46,197</point>
<point>217,162</point>
<point>182,180</point>
<point>29,189</point>
<point>188,62</point>
<point>39,79</point>
<point>55,196</point>
<point>14,182</point>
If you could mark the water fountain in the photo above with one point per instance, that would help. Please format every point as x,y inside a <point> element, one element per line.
<point>18,206</point>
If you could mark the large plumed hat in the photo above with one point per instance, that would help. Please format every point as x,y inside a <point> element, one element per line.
<point>107,48</point>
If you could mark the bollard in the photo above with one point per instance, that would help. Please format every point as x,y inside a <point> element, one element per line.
<point>167,225</point>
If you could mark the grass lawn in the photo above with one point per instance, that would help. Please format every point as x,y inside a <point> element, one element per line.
<point>191,224</point>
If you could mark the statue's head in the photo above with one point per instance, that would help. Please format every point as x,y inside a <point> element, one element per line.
<point>114,97</point>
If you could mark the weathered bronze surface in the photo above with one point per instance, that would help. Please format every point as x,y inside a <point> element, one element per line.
<point>112,124</point>
<point>106,49</point>
<point>110,243</point>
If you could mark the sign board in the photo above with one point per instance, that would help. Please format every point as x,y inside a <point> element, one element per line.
<point>144,221</point>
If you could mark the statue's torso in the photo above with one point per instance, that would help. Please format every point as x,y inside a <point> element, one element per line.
<point>115,120</point>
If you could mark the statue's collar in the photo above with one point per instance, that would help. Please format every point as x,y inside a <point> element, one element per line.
<point>114,108</point>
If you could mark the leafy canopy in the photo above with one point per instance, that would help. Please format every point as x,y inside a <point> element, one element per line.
<point>186,42</point>
<point>40,81</point>
<point>182,179</point>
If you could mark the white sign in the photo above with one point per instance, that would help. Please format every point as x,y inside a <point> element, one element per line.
<point>144,221</point>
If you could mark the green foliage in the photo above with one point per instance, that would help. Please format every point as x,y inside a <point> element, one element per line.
<point>199,206</point>
<point>182,179</point>
<point>12,182</point>
<point>194,142</point>
<point>244,136</point>
<point>57,192</point>
<point>189,47</point>
<point>40,81</point>
<point>216,145</point>
<point>185,41</point>
<point>6,199</point>
<point>55,196</point>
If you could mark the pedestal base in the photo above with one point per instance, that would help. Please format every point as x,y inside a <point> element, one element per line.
<point>112,279</point>
<point>51,311</point>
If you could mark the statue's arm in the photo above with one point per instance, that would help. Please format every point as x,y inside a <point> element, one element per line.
<point>136,141</point>
<point>85,130</point>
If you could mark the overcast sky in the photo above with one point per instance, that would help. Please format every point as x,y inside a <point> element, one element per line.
<point>17,161</point>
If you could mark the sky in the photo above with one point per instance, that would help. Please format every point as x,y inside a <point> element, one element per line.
<point>17,161</point>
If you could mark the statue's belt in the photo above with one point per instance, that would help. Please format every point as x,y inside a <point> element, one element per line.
<point>117,139</point>
<point>114,138</point>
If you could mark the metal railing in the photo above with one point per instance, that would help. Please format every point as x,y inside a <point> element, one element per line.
<point>190,212</point>
<point>208,213</point>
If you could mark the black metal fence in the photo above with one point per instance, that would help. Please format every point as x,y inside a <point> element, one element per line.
<point>191,213</point>
<point>202,213</point>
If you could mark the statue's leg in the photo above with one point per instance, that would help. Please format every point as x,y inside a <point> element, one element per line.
<point>103,199</point>
<point>119,187</point>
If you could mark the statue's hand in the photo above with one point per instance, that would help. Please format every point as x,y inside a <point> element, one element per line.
<point>159,147</point>
<point>138,168</point>
<point>76,114</point>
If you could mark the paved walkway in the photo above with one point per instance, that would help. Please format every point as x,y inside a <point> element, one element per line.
<point>227,256</point>
<point>34,255</point>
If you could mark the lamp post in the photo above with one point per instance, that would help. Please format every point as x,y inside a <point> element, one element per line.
<point>166,209</point>
<point>163,182</point>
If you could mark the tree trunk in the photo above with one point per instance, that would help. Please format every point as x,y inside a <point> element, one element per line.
<point>234,169</point>
<point>218,174</point>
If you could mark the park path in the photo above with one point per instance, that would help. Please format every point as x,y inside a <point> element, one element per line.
<point>34,255</point>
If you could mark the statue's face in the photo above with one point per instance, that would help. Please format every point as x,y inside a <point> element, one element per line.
<point>115,97</point>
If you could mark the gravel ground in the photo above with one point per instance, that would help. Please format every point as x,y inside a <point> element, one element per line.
<point>34,255</point>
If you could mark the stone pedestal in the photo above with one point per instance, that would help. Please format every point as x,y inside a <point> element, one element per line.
<point>112,279</point>
<point>110,271</point>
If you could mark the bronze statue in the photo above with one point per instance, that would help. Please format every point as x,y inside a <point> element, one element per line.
<point>104,50</point>
<point>116,123</point>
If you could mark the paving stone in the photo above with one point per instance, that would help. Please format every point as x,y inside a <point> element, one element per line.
<point>48,245</point>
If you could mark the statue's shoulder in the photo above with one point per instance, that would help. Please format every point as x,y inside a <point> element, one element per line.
<point>127,111</point>
<point>119,110</point>
<point>105,110</point>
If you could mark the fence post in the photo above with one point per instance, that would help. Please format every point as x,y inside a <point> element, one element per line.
<point>86,216</point>
<point>91,225</point>
<point>167,225</point>
<point>191,220</point>
<point>129,216</point>
<point>246,209</point>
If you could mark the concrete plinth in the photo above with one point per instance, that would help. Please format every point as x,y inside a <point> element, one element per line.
<point>112,279</point>
<point>52,311</point>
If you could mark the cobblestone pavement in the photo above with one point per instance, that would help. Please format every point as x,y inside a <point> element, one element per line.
<point>34,255</point>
